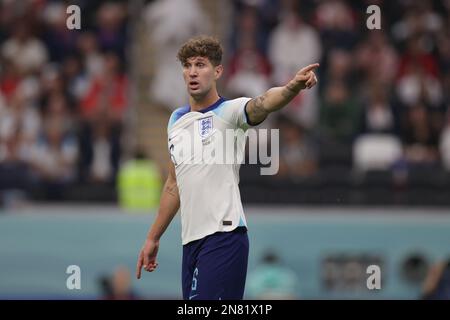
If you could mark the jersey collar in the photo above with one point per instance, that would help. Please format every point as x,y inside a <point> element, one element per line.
<point>211,107</point>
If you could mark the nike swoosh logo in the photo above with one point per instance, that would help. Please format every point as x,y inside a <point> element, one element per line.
<point>190,297</point>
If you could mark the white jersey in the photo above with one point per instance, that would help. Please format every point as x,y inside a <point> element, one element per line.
<point>207,167</point>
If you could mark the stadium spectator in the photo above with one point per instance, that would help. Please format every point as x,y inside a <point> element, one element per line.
<point>107,95</point>
<point>92,58</point>
<point>338,113</point>
<point>378,114</point>
<point>249,69</point>
<point>111,29</point>
<point>53,158</point>
<point>337,25</point>
<point>419,137</point>
<point>15,176</point>
<point>100,151</point>
<point>139,183</point>
<point>376,58</point>
<point>27,52</point>
<point>59,40</point>
<point>298,156</point>
<point>293,35</point>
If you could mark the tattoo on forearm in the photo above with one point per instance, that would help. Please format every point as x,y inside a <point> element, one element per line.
<point>289,91</point>
<point>258,108</point>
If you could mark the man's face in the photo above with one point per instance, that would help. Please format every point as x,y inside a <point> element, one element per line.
<point>200,76</point>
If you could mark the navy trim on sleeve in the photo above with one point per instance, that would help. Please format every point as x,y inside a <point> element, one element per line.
<point>246,116</point>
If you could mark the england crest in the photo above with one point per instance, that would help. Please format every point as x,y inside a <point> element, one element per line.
<point>205,126</point>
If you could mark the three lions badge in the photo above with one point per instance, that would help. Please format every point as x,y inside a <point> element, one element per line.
<point>205,126</point>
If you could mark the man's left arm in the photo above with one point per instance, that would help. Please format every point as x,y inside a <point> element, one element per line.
<point>274,99</point>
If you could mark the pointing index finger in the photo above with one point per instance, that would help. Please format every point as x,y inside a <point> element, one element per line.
<point>309,68</point>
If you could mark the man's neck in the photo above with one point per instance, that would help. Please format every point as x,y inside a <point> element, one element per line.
<point>204,102</point>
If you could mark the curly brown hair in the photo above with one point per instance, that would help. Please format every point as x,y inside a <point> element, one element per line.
<point>201,46</point>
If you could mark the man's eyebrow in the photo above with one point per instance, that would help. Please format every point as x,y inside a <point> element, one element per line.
<point>196,60</point>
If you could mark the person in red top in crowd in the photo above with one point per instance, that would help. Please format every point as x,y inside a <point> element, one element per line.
<point>107,94</point>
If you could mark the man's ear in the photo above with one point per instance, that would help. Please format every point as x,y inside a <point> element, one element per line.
<point>218,71</point>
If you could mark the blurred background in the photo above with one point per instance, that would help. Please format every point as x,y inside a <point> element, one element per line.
<point>364,173</point>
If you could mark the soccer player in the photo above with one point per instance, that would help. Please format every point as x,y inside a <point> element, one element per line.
<point>214,229</point>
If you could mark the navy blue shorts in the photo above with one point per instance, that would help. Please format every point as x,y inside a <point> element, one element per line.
<point>215,267</point>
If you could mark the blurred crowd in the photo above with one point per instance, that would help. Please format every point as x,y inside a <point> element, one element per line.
<point>381,102</point>
<point>383,95</point>
<point>63,96</point>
